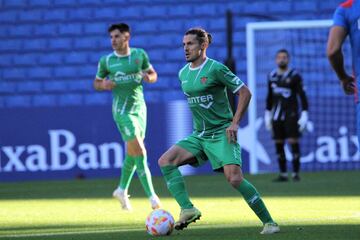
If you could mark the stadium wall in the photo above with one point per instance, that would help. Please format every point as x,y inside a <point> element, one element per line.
<point>53,125</point>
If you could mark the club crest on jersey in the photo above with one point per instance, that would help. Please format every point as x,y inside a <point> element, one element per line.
<point>137,61</point>
<point>287,80</point>
<point>203,80</point>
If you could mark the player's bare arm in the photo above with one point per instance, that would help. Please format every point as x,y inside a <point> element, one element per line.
<point>103,84</point>
<point>150,76</point>
<point>337,36</point>
<point>243,103</point>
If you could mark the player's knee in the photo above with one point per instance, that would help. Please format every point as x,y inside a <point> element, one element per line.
<point>140,151</point>
<point>135,149</point>
<point>235,180</point>
<point>163,161</point>
<point>293,140</point>
<point>136,152</point>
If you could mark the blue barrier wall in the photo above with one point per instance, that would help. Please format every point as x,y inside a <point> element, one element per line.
<point>49,51</point>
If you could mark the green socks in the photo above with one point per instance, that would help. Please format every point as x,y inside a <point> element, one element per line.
<point>176,185</point>
<point>127,172</point>
<point>144,175</point>
<point>254,201</point>
<point>138,163</point>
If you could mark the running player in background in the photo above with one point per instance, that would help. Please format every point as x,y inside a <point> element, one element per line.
<point>282,112</point>
<point>204,82</point>
<point>122,73</point>
<point>346,22</point>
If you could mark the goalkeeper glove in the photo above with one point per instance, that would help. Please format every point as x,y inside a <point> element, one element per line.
<point>303,120</point>
<point>267,118</point>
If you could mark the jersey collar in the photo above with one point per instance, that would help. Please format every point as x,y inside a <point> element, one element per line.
<point>284,73</point>
<point>121,55</point>
<point>200,66</point>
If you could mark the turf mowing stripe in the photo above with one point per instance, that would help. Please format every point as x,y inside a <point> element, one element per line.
<point>70,233</point>
<point>204,226</point>
<point>104,231</point>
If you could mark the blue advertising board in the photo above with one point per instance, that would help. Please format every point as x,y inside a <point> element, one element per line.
<point>81,142</point>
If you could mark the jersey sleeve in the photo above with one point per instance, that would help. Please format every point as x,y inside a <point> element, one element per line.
<point>102,71</point>
<point>301,92</point>
<point>146,65</point>
<point>269,97</point>
<point>339,18</point>
<point>228,78</point>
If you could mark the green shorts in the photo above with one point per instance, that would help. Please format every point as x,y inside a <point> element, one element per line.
<point>217,150</point>
<point>131,125</point>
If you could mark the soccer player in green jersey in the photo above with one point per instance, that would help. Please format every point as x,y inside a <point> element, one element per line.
<point>122,72</point>
<point>204,82</point>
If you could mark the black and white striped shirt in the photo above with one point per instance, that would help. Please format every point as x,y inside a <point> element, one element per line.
<point>283,92</point>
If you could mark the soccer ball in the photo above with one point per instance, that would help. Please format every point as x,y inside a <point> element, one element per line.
<point>159,223</point>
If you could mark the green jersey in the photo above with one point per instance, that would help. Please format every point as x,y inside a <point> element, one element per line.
<point>205,88</point>
<point>126,72</point>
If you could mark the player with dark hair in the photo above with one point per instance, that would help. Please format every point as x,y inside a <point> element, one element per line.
<point>204,82</point>
<point>122,72</point>
<point>282,112</point>
<point>346,22</point>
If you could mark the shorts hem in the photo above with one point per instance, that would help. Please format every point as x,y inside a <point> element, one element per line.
<point>132,137</point>
<point>199,160</point>
<point>221,168</point>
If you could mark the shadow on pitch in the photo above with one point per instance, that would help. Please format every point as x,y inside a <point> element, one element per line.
<point>319,232</point>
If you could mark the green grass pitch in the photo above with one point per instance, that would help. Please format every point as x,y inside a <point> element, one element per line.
<point>324,205</point>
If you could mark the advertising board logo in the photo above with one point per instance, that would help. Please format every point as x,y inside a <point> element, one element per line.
<point>63,153</point>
